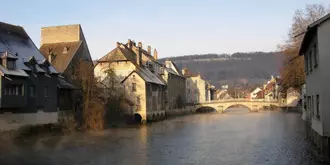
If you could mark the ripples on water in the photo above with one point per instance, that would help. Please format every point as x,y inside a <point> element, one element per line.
<point>233,138</point>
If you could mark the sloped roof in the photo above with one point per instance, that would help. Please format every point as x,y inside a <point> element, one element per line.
<point>173,69</point>
<point>64,85</point>
<point>129,54</point>
<point>62,58</point>
<point>146,75</point>
<point>15,40</point>
<point>310,32</point>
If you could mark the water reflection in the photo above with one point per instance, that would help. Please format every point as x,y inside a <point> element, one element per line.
<point>236,137</point>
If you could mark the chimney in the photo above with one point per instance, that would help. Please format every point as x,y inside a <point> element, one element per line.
<point>138,55</point>
<point>155,54</point>
<point>50,57</point>
<point>129,43</point>
<point>149,50</point>
<point>140,45</point>
<point>184,71</point>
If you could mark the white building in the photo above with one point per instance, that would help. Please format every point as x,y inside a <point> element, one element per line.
<point>253,94</point>
<point>315,48</point>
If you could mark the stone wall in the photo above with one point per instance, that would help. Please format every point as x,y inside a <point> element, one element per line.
<point>55,34</point>
<point>11,121</point>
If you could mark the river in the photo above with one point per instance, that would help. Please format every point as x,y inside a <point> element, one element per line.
<point>233,138</point>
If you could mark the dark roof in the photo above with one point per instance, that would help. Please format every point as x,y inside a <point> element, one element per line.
<point>64,84</point>
<point>13,29</point>
<point>310,32</point>
<point>61,58</point>
<point>16,42</point>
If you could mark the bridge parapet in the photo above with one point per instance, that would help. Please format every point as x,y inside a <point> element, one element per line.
<point>251,104</point>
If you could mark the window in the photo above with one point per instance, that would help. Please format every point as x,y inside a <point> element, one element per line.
<point>310,60</point>
<point>133,87</point>
<point>13,90</point>
<point>317,106</point>
<point>11,64</point>
<point>32,91</point>
<point>315,55</point>
<point>138,100</point>
<point>46,91</point>
<point>309,105</point>
<point>188,91</point>
<point>306,64</point>
<point>312,104</point>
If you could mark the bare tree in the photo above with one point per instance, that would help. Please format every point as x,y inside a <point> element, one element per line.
<point>292,73</point>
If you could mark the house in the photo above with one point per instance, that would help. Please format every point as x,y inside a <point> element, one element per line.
<point>140,77</point>
<point>211,92</point>
<point>196,87</point>
<point>292,97</point>
<point>65,48</point>
<point>271,89</point>
<point>176,86</point>
<point>315,48</point>
<point>253,94</point>
<point>29,83</point>
<point>222,95</point>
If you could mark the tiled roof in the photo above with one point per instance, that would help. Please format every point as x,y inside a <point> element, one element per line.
<point>63,53</point>
<point>15,40</point>
<point>129,54</point>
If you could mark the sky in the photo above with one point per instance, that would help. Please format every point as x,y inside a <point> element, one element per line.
<point>173,27</point>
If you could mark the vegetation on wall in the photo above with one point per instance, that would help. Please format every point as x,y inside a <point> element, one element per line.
<point>100,100</point>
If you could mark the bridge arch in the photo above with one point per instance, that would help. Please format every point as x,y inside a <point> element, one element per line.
<point>225,108</point>
<point>206,108</point>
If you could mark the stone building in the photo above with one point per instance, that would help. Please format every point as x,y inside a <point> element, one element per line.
<point>196,87</point>
<point>315,48</point>
<point>140,76</point>
<point>176,86</point>
<point>65,48</point>
<point>29,83</point>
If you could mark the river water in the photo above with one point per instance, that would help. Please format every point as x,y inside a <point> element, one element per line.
<point>233,138</point>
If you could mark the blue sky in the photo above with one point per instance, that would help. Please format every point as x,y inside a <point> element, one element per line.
<point>174,27</point>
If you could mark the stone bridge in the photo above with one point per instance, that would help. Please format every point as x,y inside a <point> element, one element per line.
<point>254,105</point>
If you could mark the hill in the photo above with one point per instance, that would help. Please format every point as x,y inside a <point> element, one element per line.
<point>237,68</point>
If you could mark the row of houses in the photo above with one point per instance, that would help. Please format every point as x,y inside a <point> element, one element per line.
<point>39,85</point>
<point>269,91</point>
<point>154,88</point>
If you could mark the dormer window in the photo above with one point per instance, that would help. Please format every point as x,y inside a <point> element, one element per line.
<point>51,57</point>
<point>11,65</point>
<point>8,61</point>
<point>65,50</point>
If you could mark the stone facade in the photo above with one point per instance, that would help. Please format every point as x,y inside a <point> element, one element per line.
<point>140,75</point>
<point>196,89</point>
<point>176,86</point>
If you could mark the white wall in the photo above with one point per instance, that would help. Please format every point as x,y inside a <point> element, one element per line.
<point>320,81</point>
